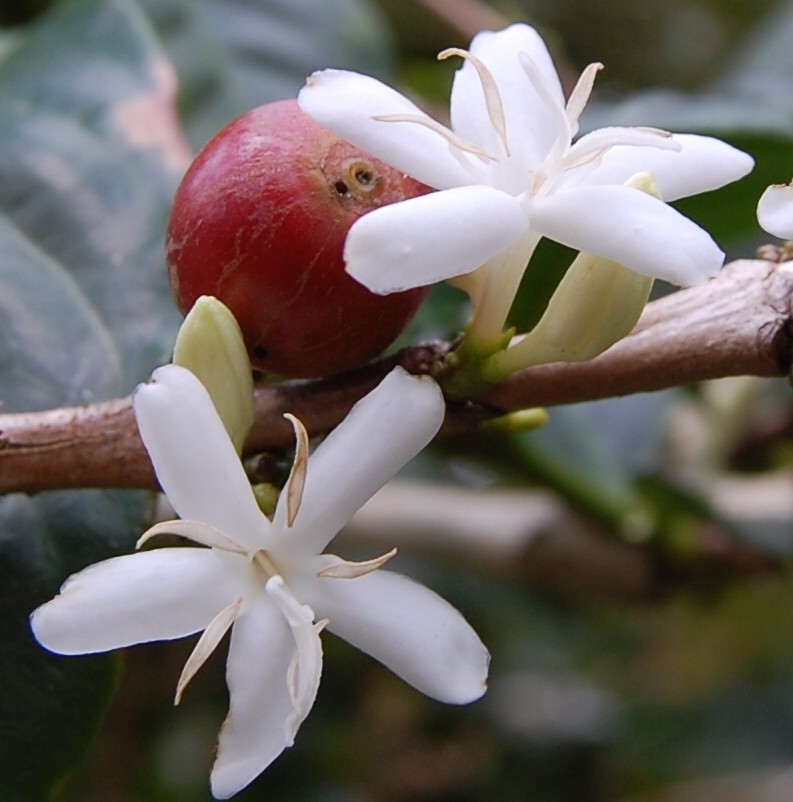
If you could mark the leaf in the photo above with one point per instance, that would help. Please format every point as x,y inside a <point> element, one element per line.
<point>232,55</point>
<point>79,178</point>
<point>90,153</point>
<point>55,347</point>
<point>51,705</point>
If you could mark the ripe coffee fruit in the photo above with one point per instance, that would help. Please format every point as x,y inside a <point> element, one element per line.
<point>259,221</point>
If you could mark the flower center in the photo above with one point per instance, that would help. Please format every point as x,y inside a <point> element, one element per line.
<point>262,561</point>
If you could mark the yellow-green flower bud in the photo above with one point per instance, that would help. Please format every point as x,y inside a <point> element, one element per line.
<point>210,345</point>
<point>596,303</point>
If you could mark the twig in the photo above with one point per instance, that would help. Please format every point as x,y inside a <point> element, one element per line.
<point>738,324</point>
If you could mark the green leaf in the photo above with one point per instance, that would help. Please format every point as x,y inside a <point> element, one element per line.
<point>232,55</point>
<point>90,154</point>
<point>55,347</point>
<point>51,705</point>
<point>88,168</point>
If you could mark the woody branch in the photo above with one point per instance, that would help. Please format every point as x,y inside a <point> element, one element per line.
<point>738,324</point>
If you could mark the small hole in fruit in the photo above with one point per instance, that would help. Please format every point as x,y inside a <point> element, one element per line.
<point>260,352</point>
<point>342,189</point>
<point>361,179</point>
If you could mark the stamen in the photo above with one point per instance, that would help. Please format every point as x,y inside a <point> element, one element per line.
<point>593,145</point>
<point>493,102</point>
<point>345,569</point>
<point>207,643</point>
<point>297,476</point>
<point>452,138</point>
<point>579,97</point>
<point>199,532</point>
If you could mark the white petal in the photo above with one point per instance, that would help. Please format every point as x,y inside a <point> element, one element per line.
<point>409,629</point>
<point>382,432</point>
<point>632,228</point>
<point>339,568</point>
<point>580,95</point>
<point>347,103</point>
<point>195,461</point>
<point>254,733</point>
<point>702,164</point>
<point>137,598</point>
<point>775,210</point>
<point>431,238</point>
<point>530,132</point>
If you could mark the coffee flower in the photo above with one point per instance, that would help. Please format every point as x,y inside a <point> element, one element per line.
<point>510,171</point>
<point>775,210</point>
<point>268,581</point>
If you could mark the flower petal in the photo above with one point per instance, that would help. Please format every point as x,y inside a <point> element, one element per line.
<point>409,629</point>
<point>775,210</point>
<point>195,461</point>
<point>431,238</point>
<point>382,432</point>
<point>137,598</point>
<point>347,103</point>
<point>531,131</point>
<point>632,228</point>
<point>703,163</point>
<point>254,733</point>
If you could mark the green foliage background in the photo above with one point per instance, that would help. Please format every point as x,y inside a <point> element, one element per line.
<point>594,696</point>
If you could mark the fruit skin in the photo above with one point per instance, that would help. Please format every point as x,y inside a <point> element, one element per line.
<point>259,221</point>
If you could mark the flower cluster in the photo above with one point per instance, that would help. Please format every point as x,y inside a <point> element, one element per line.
<point>269,581</point>
<point>510,171</point>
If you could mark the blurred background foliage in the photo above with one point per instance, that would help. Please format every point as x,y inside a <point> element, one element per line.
<point>631,576</point>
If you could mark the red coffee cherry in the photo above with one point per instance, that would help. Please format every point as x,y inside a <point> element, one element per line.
<point>259,221</point>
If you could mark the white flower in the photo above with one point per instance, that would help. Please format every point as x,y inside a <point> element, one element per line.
<point>268,580</point>
<point>775,210</point>
<point>511,173</point>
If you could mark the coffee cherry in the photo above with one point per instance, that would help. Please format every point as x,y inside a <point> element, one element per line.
<point>259,221</point>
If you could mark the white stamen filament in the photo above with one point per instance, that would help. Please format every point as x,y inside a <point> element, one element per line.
<point>493,102</point>
<point>345,569</point>
<point>452,138</point>
<point>207,643</point>
<point>579,97</point>
<point>297,476</point>
<point>199,532</point>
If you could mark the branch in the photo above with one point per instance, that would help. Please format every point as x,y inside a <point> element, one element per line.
<point>741,323</point>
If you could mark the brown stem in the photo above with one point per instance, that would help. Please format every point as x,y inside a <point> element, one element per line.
<point>737,324</point>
